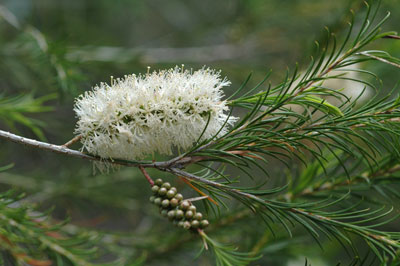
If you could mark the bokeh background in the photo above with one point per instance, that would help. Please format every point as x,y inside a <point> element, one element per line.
<point>63,48</point>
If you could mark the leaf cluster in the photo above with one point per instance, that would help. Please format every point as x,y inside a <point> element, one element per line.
<point>295,120</point>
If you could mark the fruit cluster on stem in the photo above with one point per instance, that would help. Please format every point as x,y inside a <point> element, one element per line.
<point>173,206</point>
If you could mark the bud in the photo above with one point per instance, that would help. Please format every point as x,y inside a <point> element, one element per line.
<point>195,224</point>
<point>173,202</point>
<point>152,198</point>
<point>171,193</point>
<point>155,189</point>
<point>162,191</point>
<point>158,182</point>
<point>192,208</point>
<point>204,223</point>
<point>186,225</point>
<point>171,214</point>
<point>189,214</point>
<point>185,205</point>
<point>198,216</point>
<point>157,201</point>
<point>165,203</point>
<point>166,185</point>
<point>179,197</point>
<point>179,214</point>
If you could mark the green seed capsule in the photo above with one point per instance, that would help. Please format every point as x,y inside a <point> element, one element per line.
<point>173,202</point>
<point>180,223</point>
<point>204,223</point>
<point>171,214</point>
<point>155,189</point>
<point>162,191</point>
<point>171,193</point>
<point>198,216</point>
<point>166,185</point>
<point>179,214</point>
<point>164,213</point>
<point>174,189</point>
<point>189,214</point>
<point>184,205</point>
<point>152,198</point>
<point>158,182</point>
<point>195,224</point>
<point>165,203</point>
<point>192,208</point>
<point>179,197</point>
<point>186,225</point>
<point>157,201</point>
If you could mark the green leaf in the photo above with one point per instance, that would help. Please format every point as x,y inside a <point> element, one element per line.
<point>325,105</point>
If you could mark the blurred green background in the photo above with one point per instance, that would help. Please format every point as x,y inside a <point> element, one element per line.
<point>66,47</point>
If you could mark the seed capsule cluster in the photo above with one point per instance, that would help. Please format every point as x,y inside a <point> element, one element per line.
<point>172,205</point>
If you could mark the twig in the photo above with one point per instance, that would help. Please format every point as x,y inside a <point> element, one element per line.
<point>222,187</point>
<point>146,175</point>
<point>391,37</point>
<point>197,198</point>
<point>198,190</point>
<point>74,153</point>
<point>379,59</point>
<point>202,234</point>
<point>46,146</point>
<point>72,141</point>
<point>178,162</point>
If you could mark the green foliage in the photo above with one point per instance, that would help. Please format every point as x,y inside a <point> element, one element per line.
<point>29,237</point>
<point>273,128</point>
<point>14,109</point>
<point>32,63</point>
<point>345,191</point>
<point>227,255</point>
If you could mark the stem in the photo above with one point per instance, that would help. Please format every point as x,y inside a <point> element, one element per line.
<point>198,190</point>
<point>391,37</point>
<point>62,149</point>
<point>380,59</point>
<point>146,175</point>
<point>46,146</point>
<point>72,141</point>
<point>203,237</point>
<point>222,187</point>
<point>197,198</point>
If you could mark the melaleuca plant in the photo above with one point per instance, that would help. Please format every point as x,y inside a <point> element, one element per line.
<point>141,115</point>
<point>348,147</point>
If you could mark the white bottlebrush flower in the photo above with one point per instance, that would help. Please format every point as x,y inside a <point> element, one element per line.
<point>142,114</point>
